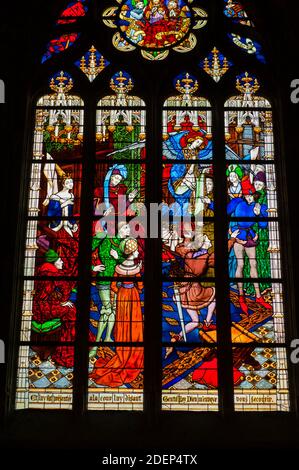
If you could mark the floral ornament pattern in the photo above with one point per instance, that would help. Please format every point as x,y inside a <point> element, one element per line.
<point>215,64</point>
<point>92,63</point>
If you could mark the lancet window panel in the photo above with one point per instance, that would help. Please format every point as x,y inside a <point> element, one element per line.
<point>116,356</point>
<point>257,302</point>
<point>189,300</point>
<point>50,273</point>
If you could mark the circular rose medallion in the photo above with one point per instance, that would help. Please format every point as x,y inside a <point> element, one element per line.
<point>154,24</point>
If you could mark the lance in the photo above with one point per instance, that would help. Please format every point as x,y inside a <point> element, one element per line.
<point>180,311</point>
<point>135,145</point>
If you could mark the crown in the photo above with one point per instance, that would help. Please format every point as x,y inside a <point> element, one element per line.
<point>67,175</point>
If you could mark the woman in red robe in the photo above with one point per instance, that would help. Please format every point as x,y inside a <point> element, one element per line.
<point>51,303</point>
<point>127,362</point>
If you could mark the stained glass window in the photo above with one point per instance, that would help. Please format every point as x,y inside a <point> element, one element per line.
<point>59,44</point>
<point>216,64</point>
<point>248,45</point>
<point>113,133</point>
<point>73,11</point>
<point>92,63</point>
<point>69,16</point>
<point>235,11</point>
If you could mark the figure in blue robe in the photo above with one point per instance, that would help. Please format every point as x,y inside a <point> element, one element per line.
<point>239,207</point>
<point>60,209</point>
<point>245,208</point>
